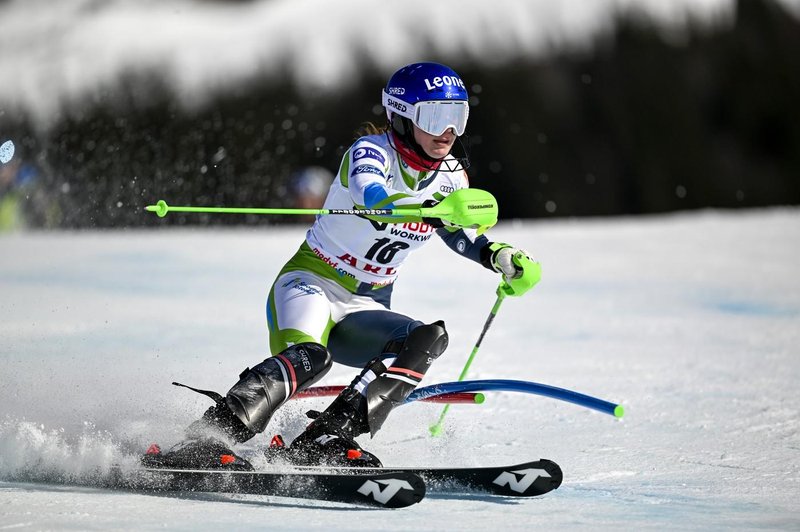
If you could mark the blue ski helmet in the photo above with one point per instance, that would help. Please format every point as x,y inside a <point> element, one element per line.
<point>430,95</point>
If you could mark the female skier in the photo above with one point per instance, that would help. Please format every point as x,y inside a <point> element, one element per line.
<point>331,301</point>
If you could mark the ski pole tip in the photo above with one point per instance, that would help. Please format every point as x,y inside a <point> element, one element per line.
<point>436,430</point>
<point>160,208</point>
<point>619,411</point>
<point>479,398</point>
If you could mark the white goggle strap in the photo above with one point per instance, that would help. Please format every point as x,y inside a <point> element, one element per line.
<point>394,105</point>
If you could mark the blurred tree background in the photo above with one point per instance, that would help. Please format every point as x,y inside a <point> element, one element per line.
<point>642,123</point>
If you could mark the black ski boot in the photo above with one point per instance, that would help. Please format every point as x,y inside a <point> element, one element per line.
<point>330,439</point>
<point>201,453</point>
<point>206,445</point>
<point>325,447</point>
<point>244,411</point>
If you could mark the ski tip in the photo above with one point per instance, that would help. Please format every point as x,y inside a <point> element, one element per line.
<point>479,398</point>
<point>619,411</point>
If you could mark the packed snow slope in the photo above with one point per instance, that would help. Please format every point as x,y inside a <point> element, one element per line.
<point>692,321</point>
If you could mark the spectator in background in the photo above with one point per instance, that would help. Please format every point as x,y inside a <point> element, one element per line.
<point>24,202</point>
<point>308,189</point>
<point>16,182</point>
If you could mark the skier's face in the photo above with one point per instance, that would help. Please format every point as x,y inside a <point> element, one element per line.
<point>435,146</point>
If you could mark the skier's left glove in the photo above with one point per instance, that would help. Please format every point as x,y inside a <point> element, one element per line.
<point>520,272</point>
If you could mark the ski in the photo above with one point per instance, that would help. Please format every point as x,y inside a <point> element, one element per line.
<point>386,489</point>
<point>527,479</point>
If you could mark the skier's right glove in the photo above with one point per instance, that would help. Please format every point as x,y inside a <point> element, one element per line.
<point>436,223</point>
<point>520,272</point>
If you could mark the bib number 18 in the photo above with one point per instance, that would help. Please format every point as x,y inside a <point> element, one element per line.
<point>384,250</point>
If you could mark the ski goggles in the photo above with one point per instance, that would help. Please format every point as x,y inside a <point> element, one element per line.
<point>434,117</point>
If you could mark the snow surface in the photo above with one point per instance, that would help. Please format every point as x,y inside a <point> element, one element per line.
<point>692,321</point>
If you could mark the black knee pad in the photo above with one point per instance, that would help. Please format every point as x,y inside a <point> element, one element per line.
<point>430,340</point>
<point>264,388</point>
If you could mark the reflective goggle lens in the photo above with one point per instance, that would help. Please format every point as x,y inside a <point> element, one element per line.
<point>437,117</point>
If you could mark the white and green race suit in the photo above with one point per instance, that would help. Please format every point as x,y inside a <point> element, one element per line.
<point>347,265</point>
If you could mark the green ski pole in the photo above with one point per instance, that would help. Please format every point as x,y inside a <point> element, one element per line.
<point>468,207</point>
<point>436,429</point>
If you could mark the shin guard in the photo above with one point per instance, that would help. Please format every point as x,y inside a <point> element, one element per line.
<point>264,388</point>
<point>423,345</point>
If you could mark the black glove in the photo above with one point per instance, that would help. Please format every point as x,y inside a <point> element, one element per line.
<point>433,222</point>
